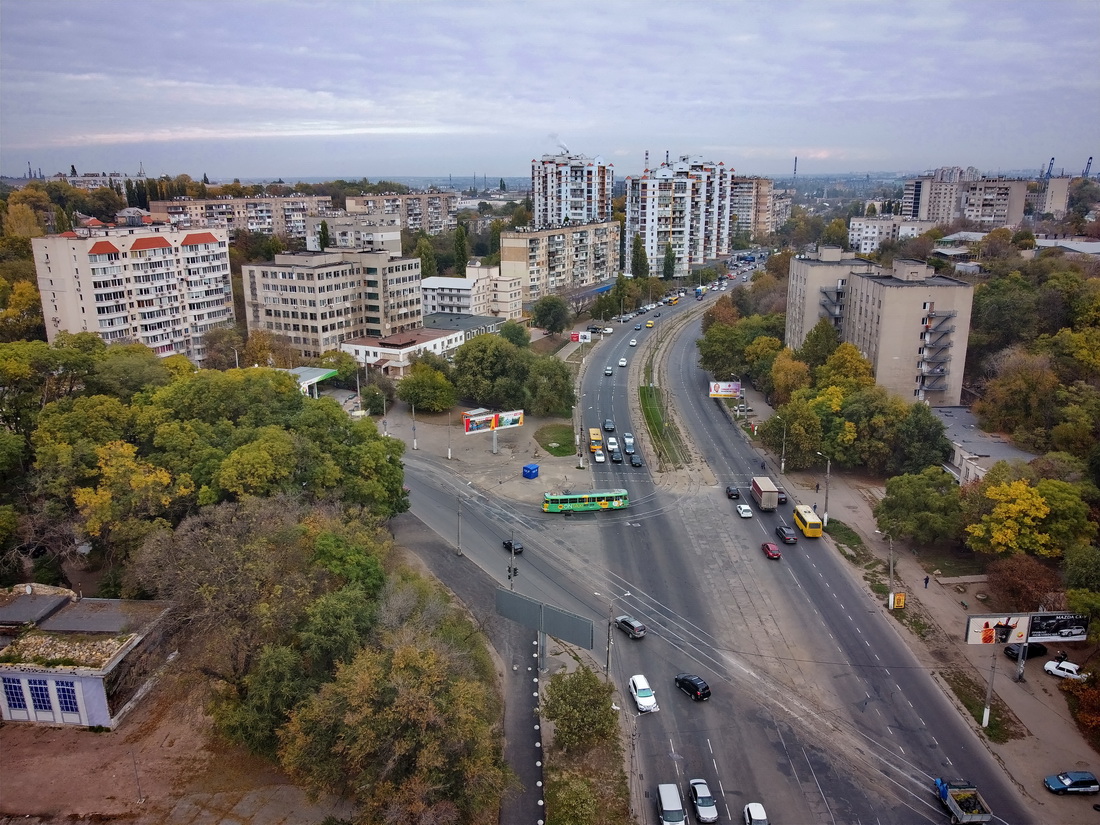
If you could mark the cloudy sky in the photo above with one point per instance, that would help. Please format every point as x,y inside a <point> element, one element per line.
<point>245,88</point>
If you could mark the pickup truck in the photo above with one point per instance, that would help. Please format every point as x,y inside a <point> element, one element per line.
<point>962,801</point>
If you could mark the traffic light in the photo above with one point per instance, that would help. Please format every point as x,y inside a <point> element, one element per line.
<point>512,572</point>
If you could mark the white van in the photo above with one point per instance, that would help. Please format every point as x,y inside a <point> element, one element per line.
<point>669,806</point>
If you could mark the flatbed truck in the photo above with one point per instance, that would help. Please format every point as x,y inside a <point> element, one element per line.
<point>962,801</point>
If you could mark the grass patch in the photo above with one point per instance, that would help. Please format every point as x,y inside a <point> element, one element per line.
<point>952,561</point>
<point>1003,725</point>
<point>557,439</point>
<point>589,788</point>
<point>548,344</point>
<point>662,432</point>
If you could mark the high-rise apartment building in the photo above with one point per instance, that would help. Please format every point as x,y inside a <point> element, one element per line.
<point>928,199</point>
<point>560,260</point>
<point>353,232</point>
<point>993,202</point>
<point>909,322</point>
<point>155,285</point>
<point>432,212</point>
<point>316,300</point>
<point>685,203</point>
<point>951,193</point>
<point>752,207</point>
<point>571,189</point>
<point>283,215</point>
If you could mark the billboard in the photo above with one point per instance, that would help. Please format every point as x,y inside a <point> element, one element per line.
<point>581,337</point>
<point>479,422</point>
<point>997,628</point>
<point>1058,627</point>
<point>725,389</point>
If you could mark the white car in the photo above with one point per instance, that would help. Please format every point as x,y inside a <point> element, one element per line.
<point>744,511</point>
<point>612,444</point>
<point>622,362</point>
<point>633,342</point>
<point>706,809</point>
<point>1064,670</point>
<point>628,439</point>
<point>599,457</point>
<point>608,330</point>
<point>754,814</point>
<point>643,694</point>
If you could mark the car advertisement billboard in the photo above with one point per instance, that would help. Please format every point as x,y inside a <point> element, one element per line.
<point>484,422</point>
<point>725,389</point>
<point>997,628</point>
<point>1058,627</point>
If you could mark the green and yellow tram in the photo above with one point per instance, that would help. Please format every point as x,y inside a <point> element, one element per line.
<point>589,500</point>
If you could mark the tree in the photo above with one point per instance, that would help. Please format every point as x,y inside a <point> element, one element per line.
<point>847,369</point>
<point>20,221</point>
<point>919,442</point>
<point>223,347</point>
<point>551,313</point>
<point>126,369</point>
<point>924,508</point>
<point>820,343</point>
<point>639,262</point>
<point>515,333</point>
<point>427,389</point>
<point>1020,399</point>
<point>324,239</point>
<point>668,266</point>
<point>1067,522</point>
<point>871,211</point>
<point>579,705</point>
<point>787,374</point>
<point>21,313</point>
<point>1022,583</point>
<point>461,253</point>
<point>426,255</point>
<point>550,387</point>
<point>483,361</point>
<point>1012,526</point>
<point>835,234</point>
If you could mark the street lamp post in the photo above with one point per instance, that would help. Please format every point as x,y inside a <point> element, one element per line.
<point>783,456</point>
<point>610,611</point>
<point>414,437</point>
<point>236,358</point>
<point>828,469</point>
<point>737,403</point>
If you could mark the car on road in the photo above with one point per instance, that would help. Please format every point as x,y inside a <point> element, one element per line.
<point>513,546</point>
<point>628,439</point>
<point>608,425</point>
<point>786,534</point>
<point>616,457</point>
<point>643,694</point>
<point>612,444</point>
<point>782,497</point>
<point>633,342</point>
<point>706,809</point>
<point>637,326</point>
<point>599,457</point>
<point>732,492</point>
<point>1072,782</point>
<point>694,686</point>
<point>635,461</point>
<point>622,362</point>
<point>608,330</point>
<point>755,814</point>
<point>649,324</point>
<point>609,370</point>
<point>630,626</point>
<point>656,315</point>
<point>744,511</point>
<point>1033,651</point>
<point>1064,670</point>
<point>770,550</point>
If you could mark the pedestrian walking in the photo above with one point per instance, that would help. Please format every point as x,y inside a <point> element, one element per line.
<point>763,465</point>
<point>925,582</point>
<point>815,506</point>
<point>817,487</point>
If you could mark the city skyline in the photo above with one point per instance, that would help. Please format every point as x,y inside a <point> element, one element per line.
<point>255,89</point>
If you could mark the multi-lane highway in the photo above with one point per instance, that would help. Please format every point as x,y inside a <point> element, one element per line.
<point>819,709</point>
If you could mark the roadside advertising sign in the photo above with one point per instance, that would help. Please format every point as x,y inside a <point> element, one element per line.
<point>725,389</point>
<point>997,628</point>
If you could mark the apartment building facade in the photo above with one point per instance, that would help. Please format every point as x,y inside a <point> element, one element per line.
<point>994,202</point>
<point>283,215</point>
<point>353,232</point>
<point>156,285</point>
<point>317,300</point>
<point>866,235</point>
<point>433,212</point>
<point>752,207</point>
<point>559,260</point>
<point>909,322</point>
<point>685,203</point>
<point>571,189</point>
<point>482,291</point>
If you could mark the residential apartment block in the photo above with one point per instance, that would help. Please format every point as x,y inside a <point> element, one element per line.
<point>483,291</point>
<point>685,203</point>
<point>752,203</point>
<point>571,189</point>
<point>952,193</point>
<point>553,261</point>
<point>284,215</point>
<point>909,322</point>
<point>353,232</point>
<point>993,202</point>
<point>316,300</point>
<point>1051,197</point>
<point>156,285</point>
<point>90,181</point>
<point>433,212</point>
<point>866,235</point>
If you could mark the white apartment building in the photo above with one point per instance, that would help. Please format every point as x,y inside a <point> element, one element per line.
<point>353,232</point>
<point>393,355</point>
<point>571,189</point>
<point>561,260</point>
<point>317,300</point>
<point>866,235</point>
<point>752,207</point>
<point>685,203</point>
<point>90,181</point>
<point>483,291</point>
<point>282,215</point>
<point>155,285</point>
<point>433,212</point>
<point>928,199</point>
<point>910,323</point>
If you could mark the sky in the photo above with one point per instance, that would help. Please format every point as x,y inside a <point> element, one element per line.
<point>376,88</point>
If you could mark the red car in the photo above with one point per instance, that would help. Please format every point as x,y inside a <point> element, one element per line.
<point>770,550</point>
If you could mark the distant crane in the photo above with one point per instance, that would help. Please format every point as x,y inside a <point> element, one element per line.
<point>1088,166</point>
<point>1050,168</point>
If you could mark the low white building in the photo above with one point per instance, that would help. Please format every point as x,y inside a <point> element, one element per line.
<point>393,354</point>
<point>482,291</point>
<point>866,235</point>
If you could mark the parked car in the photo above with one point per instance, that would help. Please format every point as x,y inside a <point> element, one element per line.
<point>635,461</point>
<point>1034,650</point>
<point>643,694</point>
<point>622,362</point>
<point>608,330</point>
<point>1072,782</point>
<point>754,814</point>
<point>770,550</point>
<point>694,686</point>
<point>595,329</point>
<point>630,626</point>
<point>616,457</point>
<point>599,457</point>
<point>608,425</point>
<point>786,535</point>
<point>744,511</point>
<point>1064,670</point>
<point>706,809</point>
<point>513,546</point>
<point>732,492</point>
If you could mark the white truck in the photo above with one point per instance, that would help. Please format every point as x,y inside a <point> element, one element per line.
<point>764,493</point>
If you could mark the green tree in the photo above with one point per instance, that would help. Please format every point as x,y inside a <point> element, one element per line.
<point>550,312</point>
<point>924,508</point>
<point>1021,398</point>
<point>515,333</point>
<point>324,239</point>
<point>835,234</point>
<point>427,389</point>
<point>668,266</point>
<point>639,261</point>
<point>919,441</point>
<point>126,369</point>
<point>426,254</point>
<point>1067,522</point>
<point>461,253</point>
<point>847,369</point>
<point>579,705</point>
<point>223,347</point>
<point>482,362</point>
<point>550,387</point>
<point>820,343</point>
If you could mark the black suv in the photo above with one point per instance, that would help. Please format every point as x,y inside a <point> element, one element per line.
<point>786,534</point>
<point>732,492</point>
<point>782,498</point>
<point>1034,649</point>
<point>693,686</point>
<point>513,546</point>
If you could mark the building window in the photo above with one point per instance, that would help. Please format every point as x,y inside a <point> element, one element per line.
<point>40,695</point>
<point>66,697</point>
<point>13,693</point>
